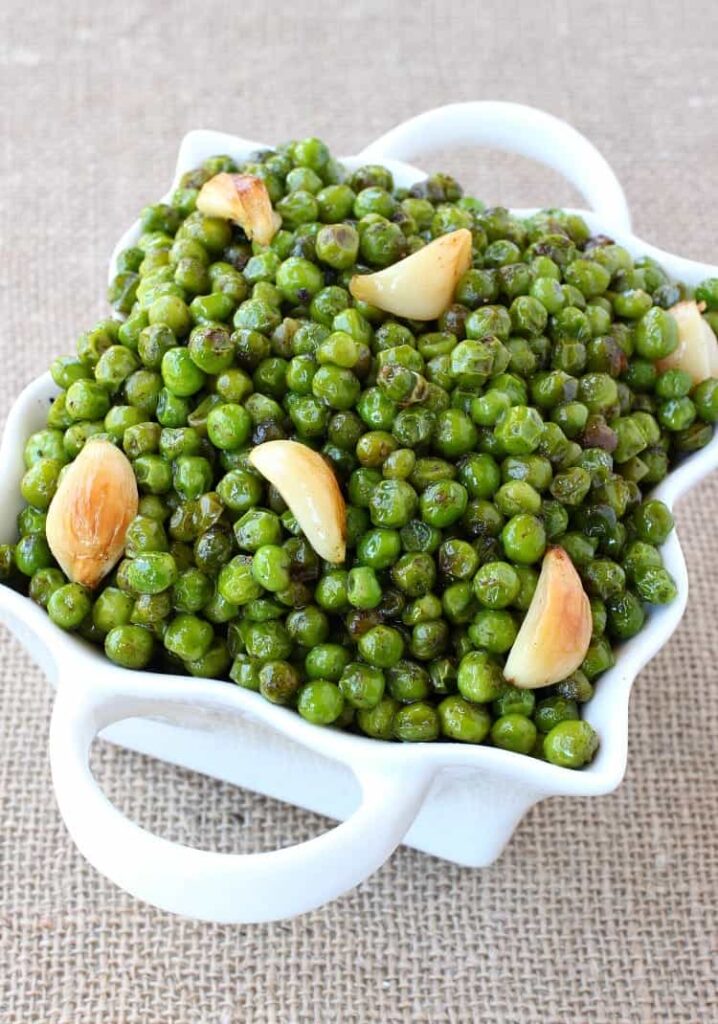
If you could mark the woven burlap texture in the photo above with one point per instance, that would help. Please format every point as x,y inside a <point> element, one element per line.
<point>601,910</point>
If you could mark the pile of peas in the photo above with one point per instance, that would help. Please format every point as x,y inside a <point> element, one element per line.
<point>531,413</point>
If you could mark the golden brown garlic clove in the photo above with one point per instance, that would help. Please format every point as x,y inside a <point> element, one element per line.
<point>697,352</point>
<point>89,515</point>
<point>556,631</point>
<point>421,286</point>
<point>242,198</point>
<point>311,491</point>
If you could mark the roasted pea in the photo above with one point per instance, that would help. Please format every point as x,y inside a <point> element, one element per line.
<point>571,744</point>
<point>479,680</point>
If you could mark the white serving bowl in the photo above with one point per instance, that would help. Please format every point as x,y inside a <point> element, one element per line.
<point>457,802</point>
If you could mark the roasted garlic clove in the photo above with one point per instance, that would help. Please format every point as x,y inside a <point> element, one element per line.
<point>310,488</point>
<point>697,351</point>
<point>556,631</point>
<point>242,198</point>
<point>89,515</point>
<point>421,286</point>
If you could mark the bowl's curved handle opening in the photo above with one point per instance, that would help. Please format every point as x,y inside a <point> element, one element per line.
<point>519,129</point>
<point>210,886</point>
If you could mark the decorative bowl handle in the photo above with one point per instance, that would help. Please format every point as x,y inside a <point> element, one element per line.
<point>514,128</point>
<point>210,886</point>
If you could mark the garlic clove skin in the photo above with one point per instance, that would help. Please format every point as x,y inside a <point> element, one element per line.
<point>556,631</point>
<point>311,491</point>
<point>242,198</point>
<point>88,517</point>
<point>697,352</point>
<point>421,286</point>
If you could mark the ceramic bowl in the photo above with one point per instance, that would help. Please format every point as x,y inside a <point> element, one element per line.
<point>457,802</point>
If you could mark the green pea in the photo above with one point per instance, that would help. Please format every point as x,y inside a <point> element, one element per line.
<point>171,410</point>
<point>576,687</point>
<point>514,701</point>
<point>571,744</point>
<point>454,434</point>
<point>482,519</point>
<point>69,605</point>
<point>529,315</point>
<point>270,568</point>
<point>31,520</point>
<point>40,481</point>
<point>459,603</point>
<point>172,311</point>
<point>552,710</point>
<point>458,559</point>
<point>129,646</point>
<point>514,732</point>
<point>392,503</point>
<point>414,573</point>
<point>154,474</point>
<point>308,626</point>
<point>655,585</point>
<point>480,475</point>
<point>599,658</point>
<point>43,584</point>
<point>152,572</point>
<point>653,521</point>
<point>192,590</point>
<point>267,641</point>
<point>548,291</point>
<point>519,430</point>
<point>382,646</point>
<point>188,637</point>
<point>462,721</point>
<point>319,701</point>
<point>416,723</point>
<point>31,553</point>
<point>44,444</point>
<point>245,672</point>
<point>335,203</point>
<point>705,399</point>
<point>335,386</point>
<point>338,245</point>
<point>626,615</point>
<point>496,584</point>
<point>257,527</point>
<point>517,496</point>
<point>228,426</point>
<point>327,661</point>
<point>656,334</point>
<point>191,476</point>
<point>362,686</point>
<point>151,609</point>
<point>87,400</point>
<point>381,243</point>
<point>378,722</point>
<point>479,680</point>
<point>443,503</point>
<point>238,581</point>
<point>493,630</point>
<point>331,591</point>
<point>676,414</point>
<point>673,384</point>
<point>212,664</point>
<point>145,534</point>
<point>298,280</point>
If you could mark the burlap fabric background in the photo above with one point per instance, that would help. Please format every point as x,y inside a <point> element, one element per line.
<point>600,911</point>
